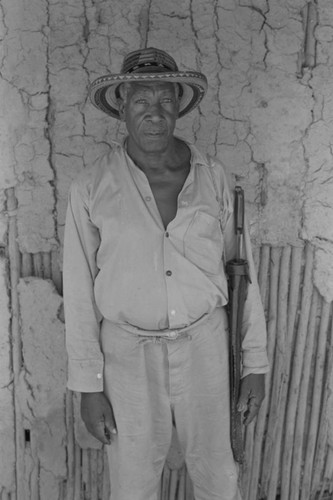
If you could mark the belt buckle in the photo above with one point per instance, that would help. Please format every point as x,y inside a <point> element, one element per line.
<point>173,335</point>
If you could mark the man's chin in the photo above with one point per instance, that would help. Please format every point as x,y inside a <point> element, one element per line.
<point>154,142</point>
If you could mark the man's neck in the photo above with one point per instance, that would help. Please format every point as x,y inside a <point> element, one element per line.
<point>176,155</point>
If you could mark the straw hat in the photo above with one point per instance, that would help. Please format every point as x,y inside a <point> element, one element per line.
<point>148,65</point>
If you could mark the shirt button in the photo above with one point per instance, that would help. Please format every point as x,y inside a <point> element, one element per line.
<point>148,198</point>
<point>167,234</point>
<point>168,273</point>
<point>173,334</point>
<point>99,375</point>
<point>173,312</point>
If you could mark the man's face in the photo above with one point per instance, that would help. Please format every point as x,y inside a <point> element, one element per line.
<point>150,111</point>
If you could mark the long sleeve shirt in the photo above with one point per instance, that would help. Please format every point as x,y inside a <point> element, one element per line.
<point>122,264</point>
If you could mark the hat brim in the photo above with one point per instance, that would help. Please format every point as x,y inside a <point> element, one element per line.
<point>102,91</point>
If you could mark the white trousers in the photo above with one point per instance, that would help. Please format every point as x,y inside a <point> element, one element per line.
<point>151,384</point>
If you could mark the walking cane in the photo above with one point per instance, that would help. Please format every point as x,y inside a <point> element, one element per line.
<point>238,279</point>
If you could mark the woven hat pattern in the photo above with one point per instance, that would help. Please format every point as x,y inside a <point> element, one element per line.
<point>148,65</point>
<point>147,58</point>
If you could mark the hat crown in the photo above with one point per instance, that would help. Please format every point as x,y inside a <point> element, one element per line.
<point>149,60</point>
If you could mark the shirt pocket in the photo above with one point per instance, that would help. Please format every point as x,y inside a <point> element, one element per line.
<point>203,242</point>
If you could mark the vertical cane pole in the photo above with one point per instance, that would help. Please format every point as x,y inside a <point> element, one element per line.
<point>239,220</point>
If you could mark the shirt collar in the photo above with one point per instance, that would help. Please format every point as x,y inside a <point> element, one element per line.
<point>197,158</point>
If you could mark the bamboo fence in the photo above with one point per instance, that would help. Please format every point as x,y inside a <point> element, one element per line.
<point>289,449</point>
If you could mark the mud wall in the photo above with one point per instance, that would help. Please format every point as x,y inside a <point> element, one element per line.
<point>267,115</point>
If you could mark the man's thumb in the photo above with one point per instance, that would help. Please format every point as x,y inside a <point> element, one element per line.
<point>242,401</point>
<point>109,421</point>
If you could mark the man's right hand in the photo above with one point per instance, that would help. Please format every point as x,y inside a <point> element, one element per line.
<point>97,414</point>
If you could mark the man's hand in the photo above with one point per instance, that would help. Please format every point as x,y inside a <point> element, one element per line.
<point>252,393</point>
<point>97,414</point>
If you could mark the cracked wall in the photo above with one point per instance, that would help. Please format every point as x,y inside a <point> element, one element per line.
<point>42,387</point>
<point>7,430</point>
<point>317,207</point>
<point>267,115</point>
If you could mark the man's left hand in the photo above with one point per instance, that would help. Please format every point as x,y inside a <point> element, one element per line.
<point>252,393</point>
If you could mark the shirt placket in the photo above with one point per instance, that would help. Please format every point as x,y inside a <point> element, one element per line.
<point>146,193</point>
<point>177,311</point>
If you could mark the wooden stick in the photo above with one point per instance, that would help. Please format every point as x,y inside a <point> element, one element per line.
<point>310,40</point>
<point>93,478</point>
<point>70,446</point>
<point>270,404</point>
<point>165,483</point>
<point>256,257</point>
<point>188,486</point>
<point>173,484</point>
<point>85,472</point>
<point>302,402</point>
<point>46,262</point>
<point>321,451</point>
<point>324,374</point>
<point>33,468</point>
<point>296,374</point>
<point>26,265</point>
<point>14,266</point>
<point>250,484</point>
<point>327,483</point>
<point>100,472</point>
<point>263,274</point>
<point>295,287</point>
<point>295,271</point>
<point>38,265</point>
<point>181,484</point>
<point>329,469</point>
<point>245,469</point>
<point>294,290</point>
<point>315,405</point>
<point>55,271</point>
<point>282,361</point>
<point>106,477</point>
<point>78,473</point>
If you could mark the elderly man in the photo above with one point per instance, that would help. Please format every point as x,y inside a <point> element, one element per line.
<point>148,230</point>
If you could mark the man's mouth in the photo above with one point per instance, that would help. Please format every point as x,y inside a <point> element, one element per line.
<point>155,132</point>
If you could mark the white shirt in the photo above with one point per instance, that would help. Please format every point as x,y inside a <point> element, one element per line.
<point>120,263</point>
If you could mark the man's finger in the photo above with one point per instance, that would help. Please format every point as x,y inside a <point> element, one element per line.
<point>101,434</point>
<point>110,425</point>
<point>242,405</point>
<point>252,412</point>
<point>101,431</point>
<point>243,399</point>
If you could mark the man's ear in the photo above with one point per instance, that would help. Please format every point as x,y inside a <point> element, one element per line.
<point>121,108</point>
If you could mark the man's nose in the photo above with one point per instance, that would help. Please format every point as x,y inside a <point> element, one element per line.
<point>155,111</point>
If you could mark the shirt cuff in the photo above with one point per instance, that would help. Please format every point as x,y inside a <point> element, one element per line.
<point>85,375</point>
<point>255,362</point>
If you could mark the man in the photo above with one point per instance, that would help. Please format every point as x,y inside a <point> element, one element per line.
<point>148,229</point>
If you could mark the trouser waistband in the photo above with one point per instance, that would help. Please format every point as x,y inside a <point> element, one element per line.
<point>167,334</point>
